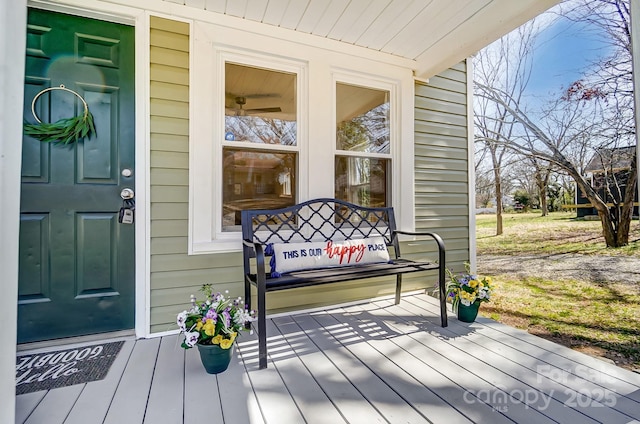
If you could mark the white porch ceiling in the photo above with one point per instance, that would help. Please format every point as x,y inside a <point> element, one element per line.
<point>436,34</point>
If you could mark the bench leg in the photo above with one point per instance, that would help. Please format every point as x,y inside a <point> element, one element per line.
<point>398,288</point>
<point>443,292</point>
<point>262,330</point>
<point>247,298</point>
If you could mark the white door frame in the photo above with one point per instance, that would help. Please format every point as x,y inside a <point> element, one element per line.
<point>13,20</point>
<point>139,19</point>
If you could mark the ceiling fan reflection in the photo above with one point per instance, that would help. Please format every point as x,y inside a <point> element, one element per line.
<point>241,111</point>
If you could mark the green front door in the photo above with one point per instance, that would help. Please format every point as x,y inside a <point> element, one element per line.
<point>76,261</point>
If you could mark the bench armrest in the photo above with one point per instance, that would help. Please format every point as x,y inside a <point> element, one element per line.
<point>435,236</point>
<point>441,265</point>
<point>258,252</point>
<point>249,244</point>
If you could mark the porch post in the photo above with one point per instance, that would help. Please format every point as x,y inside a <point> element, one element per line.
<point>635,53</point>
<point>13,24</point>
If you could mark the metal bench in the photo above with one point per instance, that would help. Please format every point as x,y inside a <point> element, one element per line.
<point>324,220</point>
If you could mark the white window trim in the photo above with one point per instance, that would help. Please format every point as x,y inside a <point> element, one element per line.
<point>219,142</point>
<point>345,77</point>
<point>316,123</point>
<point>205,152</point>
<point>401,117</point>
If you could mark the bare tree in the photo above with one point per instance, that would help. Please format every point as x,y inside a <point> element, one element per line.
<point>579,125</point>
<point>485,189</point>
<point>594,114</point>
<point>611,80</point>
<point>610,21</point>
<point>542,176</point>
<point>506,65</point>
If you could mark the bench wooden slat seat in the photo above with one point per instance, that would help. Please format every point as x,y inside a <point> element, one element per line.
<point>333,275</point>
<point>323,220</point>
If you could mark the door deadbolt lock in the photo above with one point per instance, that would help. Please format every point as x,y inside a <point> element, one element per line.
<point>127,194</point>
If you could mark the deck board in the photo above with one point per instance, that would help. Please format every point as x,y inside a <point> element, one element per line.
<point>352,356</point>
<point>275,400</point>
<point>369,363</point>
<point>167,387</point>
<point>473,367</point>
<point>129,402</point>
<point>236,393</point>
<point>309,397</point>
<point>200,389</point>
<point>352,406</point>
<point>95,400</point>
<point>434,370</point>
<point>26,404</point>
<point>595,388</point>
<point>56,405</point>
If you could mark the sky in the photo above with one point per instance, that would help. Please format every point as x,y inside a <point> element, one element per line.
<point>564,50</point>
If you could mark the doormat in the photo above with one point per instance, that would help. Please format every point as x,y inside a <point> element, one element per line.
<point>51,370</point>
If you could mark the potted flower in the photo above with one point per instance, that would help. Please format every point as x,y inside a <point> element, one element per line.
<point>212,325</point>
<point>467,291</point>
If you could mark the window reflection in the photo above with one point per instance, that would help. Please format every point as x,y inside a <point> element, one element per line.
<point>256,180</point>
<point>362,181</point>
<point>362,126</point>
<point>260,105</point>
<point>260,108</point>
<point>362,117</point>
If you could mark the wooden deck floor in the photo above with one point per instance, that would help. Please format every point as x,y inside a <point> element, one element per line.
<point>372,363</point>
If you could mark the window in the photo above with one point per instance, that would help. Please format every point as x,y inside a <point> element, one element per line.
<point>274,122</point>
<point>363,145</point>
<point>259,169</point>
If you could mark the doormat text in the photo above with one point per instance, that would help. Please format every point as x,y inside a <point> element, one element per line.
<point>50,370</point>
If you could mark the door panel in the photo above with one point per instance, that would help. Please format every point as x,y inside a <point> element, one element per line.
<point>34,258</point>
<point>76,261</point>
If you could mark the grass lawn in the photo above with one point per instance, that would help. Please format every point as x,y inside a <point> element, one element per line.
<point>598,318</point>
<point>560,232</point>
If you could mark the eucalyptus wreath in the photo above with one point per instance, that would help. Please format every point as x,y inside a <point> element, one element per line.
<point>63,131</point>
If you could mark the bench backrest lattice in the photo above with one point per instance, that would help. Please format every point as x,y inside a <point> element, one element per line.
<point>319,220</point>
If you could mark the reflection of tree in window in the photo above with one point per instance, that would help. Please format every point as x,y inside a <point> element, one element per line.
<point>368,132</point>
<point>362,126</point>
<point>259,129</point>
<point>259,150</point>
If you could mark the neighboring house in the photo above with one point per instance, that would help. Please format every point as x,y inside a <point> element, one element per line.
<point>204,108</point>
<point>607,171</point>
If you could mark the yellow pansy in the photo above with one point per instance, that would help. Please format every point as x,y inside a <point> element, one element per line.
<point>469,296</point>
<point>209,328</point>
<point>199,325</point>
<point>217,339</point>
<point>473,283</point>
<point>226,343</point>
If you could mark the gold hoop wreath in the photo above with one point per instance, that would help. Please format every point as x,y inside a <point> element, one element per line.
<point>64,131</point>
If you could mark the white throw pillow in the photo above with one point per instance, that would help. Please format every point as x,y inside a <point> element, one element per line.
<point>298,256</point>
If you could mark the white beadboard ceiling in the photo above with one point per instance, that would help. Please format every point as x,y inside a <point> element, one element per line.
<point>435,33</point>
